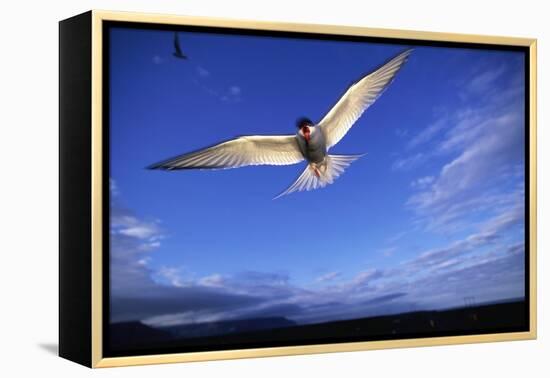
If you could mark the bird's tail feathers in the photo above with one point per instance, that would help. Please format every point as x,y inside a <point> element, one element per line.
<point>320,175</point>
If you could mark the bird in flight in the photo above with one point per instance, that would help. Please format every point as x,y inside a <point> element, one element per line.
<point>177,48</point>
<point>311,142</point>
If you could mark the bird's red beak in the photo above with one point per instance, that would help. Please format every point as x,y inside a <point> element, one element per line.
<point>307,133</point>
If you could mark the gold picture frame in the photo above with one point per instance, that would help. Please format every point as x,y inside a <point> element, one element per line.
<point>88,329</point>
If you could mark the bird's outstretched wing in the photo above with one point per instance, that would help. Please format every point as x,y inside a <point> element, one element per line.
<point>239,152</point>
<point>358,98</point>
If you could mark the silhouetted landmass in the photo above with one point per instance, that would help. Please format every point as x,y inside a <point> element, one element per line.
<point>136,334</point>
<point>489,318</point>
<point>227,327</point>
<point>131,335</point>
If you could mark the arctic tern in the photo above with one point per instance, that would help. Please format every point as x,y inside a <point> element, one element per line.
<point>310,143</point>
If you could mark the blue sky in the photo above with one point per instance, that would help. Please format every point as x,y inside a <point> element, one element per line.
<point>432,214</point>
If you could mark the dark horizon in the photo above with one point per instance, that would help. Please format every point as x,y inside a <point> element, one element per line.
<point>509,316</point>
<point>468,303</point>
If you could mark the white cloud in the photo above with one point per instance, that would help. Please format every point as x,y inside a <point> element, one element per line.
<point>488,234</point>
<point>142,231</point>
<point>203,72</point>
<point>395,238</point>
<point>233,94</point>
<point>213,280</point>
<point>128,225</point>
<point>363,278</point>
<point>422,182</point>
<point>482,165</point>
<point>187,317</point>
<point>171,275</point>
<point>330,276</point>
<point>229,94</point>
<point>484,147</point>
<point>144,261</point>
<point>409,162</point>
<point>113,188</point>
<point>235,90</point>
<point>484,81</point>
<point>131,242</point>
<point>428,133</point>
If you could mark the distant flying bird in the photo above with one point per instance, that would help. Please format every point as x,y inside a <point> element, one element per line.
<point>177,48</point>
<point>311,142</point>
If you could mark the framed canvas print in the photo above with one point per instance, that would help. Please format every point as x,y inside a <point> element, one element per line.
<point>235,189</point>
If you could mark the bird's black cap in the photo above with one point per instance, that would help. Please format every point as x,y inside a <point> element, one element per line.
<point>303,122</point>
